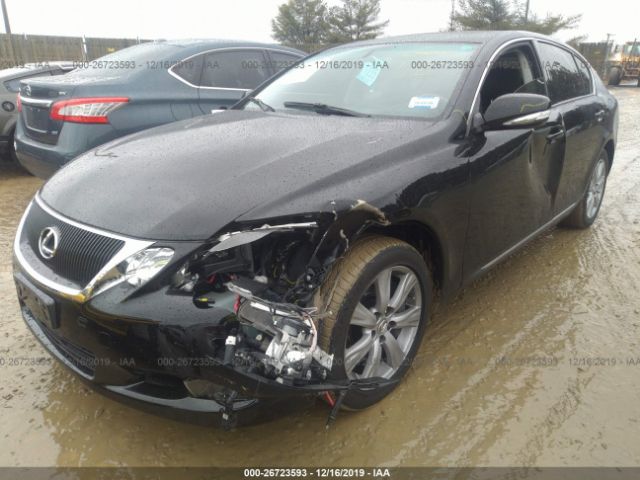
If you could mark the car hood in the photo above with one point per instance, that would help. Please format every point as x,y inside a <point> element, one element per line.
<point>187,180</point>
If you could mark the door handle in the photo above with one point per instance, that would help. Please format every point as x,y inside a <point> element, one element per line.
<point>555,134</point>
<point>600,115</point>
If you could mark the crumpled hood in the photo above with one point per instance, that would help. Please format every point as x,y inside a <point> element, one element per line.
<point>187,180</point>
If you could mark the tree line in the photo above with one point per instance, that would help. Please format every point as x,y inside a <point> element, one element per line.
<point>312,24</point>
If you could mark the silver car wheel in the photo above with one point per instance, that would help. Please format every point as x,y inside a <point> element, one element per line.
<point>596,188</point>
<point>384,324</point>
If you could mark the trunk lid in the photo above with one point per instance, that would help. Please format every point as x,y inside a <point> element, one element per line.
<point>37,96</point>
<point>36,99</point>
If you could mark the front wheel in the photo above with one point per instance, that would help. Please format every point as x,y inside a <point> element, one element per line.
<point>587,210</point>
<point>377,300</point>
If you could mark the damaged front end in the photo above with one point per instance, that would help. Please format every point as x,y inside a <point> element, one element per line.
<point>268,275</point>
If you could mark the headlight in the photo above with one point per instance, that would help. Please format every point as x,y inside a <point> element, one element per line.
<point>136,270</point>
<point>144,265</point>
<point>235,239</point>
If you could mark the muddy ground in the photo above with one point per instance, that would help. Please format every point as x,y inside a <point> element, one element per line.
<point>536,364</point>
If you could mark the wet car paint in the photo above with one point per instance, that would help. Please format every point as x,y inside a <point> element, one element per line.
<point>430,177</point>
<point>484,393</point>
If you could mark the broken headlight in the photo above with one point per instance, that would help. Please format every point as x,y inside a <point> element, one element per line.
<point>234,239</point>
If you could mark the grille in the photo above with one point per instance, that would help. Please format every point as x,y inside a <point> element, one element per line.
<point>80,357</point>
<point>81,253</point>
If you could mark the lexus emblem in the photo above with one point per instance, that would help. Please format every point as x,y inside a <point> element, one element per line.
<point>27,90</point>
<point>48,242</point>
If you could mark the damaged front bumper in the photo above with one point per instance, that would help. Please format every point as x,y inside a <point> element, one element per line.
<point>158,353</point>
<point>198,337</point>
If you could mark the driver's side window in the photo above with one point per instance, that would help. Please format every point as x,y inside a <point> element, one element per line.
<point>515,71</point>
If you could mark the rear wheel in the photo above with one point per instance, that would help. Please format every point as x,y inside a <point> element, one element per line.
<point>587,210</point>
<point>377,299</point>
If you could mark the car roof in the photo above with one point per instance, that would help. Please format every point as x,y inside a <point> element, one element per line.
<point>471,36</point>
<point>198,44</point>
<point>491,39</point>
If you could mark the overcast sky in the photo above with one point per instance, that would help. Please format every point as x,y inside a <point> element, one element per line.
<point>251,19</point>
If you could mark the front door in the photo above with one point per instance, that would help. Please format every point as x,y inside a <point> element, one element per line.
<point>514,173</point>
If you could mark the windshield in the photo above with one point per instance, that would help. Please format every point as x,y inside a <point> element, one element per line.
<point>633,49</point>
<point>400,79</point>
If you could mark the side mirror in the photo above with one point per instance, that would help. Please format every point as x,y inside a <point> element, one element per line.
<point>517,110</point>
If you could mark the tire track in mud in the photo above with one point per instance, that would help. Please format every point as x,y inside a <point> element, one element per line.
<point>476,380</point>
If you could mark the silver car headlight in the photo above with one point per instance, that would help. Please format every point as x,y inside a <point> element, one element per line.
<point>144,265</point>
<point>136,270</point>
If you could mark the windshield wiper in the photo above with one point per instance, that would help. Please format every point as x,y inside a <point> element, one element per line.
<point>263,106</point>
<point>324,109</point>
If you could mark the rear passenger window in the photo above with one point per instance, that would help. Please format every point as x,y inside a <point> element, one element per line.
<point>564,80</point>
<point>189,70</point>
<point>585,76</point>
<point>243,69</point>
<point>14,85</point>
<point>280,60</point>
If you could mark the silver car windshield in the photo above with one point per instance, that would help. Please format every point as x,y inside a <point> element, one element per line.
<point>399,79</point>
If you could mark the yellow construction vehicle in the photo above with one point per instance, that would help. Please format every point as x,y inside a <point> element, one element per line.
<point>624,64</point>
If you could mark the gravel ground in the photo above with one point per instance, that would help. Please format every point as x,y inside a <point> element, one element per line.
<point>535,364</point>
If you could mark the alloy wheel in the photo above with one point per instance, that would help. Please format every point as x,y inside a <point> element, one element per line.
<point>384,324</point>
<point>596,188</point>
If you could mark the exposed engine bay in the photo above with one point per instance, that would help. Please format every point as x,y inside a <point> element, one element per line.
<point>287,339</point>
<point>268,275</point>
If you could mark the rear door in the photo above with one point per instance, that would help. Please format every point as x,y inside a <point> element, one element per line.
<point>572,94</point>
<point>229,74</point>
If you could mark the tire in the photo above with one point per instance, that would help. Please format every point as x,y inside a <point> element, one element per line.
<point>352,283</point>
<point>12,156</point>
<point>587,210</point>
<point>615,76</point>
<point>12,149</point>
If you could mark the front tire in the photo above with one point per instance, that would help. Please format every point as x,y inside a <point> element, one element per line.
<point>587,210</point>
<point>377,299</point>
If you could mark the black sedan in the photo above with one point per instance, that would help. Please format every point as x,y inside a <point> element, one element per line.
<point>292,247</point>
<point>139,87</point>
